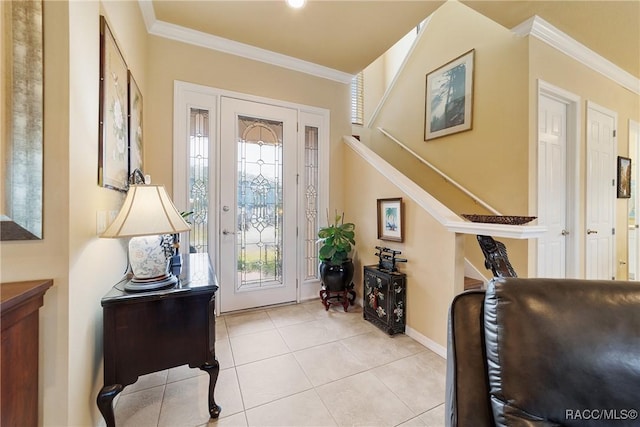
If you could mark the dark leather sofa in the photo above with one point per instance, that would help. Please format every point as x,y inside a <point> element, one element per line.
<point>545,352</point>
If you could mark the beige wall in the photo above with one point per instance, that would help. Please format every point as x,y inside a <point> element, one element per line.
<point>497,145</point>
<point>95,264</point>
<point>83,266</point>
<point>499,134</point>
<point>434,254</point>
<point>551,66</point>
<point>170,60</point>
<point>49,258</point>
<point>496,160</point>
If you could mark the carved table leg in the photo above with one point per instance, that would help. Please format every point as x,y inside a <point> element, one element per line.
<point>212,370</point>
<point>105,402</point>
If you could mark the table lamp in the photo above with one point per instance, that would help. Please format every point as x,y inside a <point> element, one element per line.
<point>147,214</point>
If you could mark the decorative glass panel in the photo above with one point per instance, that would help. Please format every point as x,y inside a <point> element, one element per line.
<point>260,203</point>
<point>311,202</point>
<point>198,179</point>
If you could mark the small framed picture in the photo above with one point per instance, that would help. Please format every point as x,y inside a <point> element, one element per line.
<point>448,100</point>
<point>390,220</point>
<point>624,177</point>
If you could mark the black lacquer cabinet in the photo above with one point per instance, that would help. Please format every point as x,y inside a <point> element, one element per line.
<point>385,299</point>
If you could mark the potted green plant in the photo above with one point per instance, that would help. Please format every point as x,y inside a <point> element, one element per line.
<point>336,242</point>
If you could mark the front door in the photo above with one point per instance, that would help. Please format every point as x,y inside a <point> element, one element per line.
<point>601,192</point>
<point>257,204</point>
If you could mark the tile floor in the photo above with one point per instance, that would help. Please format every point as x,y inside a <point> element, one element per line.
<point>297,365</point>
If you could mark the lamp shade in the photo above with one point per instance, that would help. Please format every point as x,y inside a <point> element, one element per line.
<point>147,210</point>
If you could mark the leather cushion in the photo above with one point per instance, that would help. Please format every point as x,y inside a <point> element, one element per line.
<point>558,350</point>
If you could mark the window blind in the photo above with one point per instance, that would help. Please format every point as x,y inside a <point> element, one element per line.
<point>357,99</point>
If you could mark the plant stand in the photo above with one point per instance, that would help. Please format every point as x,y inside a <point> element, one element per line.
<point>345,297</point>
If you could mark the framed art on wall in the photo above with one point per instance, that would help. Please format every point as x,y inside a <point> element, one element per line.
<point>135,126</point>
<point>390,220</point>
<point>21,120</point>
<point>449,98</point>
<point>624,178</point>
<point>113,162</point>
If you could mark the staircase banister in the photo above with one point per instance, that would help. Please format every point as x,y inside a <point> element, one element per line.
<point>442,174</point>
<point>445,216</point>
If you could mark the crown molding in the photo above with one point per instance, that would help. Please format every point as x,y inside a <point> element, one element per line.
<point>209,41</point>
<point>148,13</point>
<point>544,31</point>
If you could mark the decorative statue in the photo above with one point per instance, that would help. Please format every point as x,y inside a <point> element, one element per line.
<point>495,257</point>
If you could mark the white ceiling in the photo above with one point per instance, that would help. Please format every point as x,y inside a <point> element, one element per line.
<point>349,35</point>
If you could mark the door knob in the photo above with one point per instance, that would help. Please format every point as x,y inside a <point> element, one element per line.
<point>564,232</point>
<point>589,231</point>
<point>226,232</point>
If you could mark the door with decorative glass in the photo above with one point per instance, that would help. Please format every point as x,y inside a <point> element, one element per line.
<point>258,204</point>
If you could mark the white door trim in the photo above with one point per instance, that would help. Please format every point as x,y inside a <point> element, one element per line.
<point>308,289</point>
<point>633,232</point>
<point>211,100</point>
<point>573,241</point>
<point>633,238</point>
<point>186,96</point>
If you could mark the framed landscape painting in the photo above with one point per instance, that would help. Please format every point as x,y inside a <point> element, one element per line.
<point>448,98</point>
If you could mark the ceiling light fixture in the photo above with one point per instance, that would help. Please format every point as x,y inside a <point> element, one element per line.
<point>296,4</point>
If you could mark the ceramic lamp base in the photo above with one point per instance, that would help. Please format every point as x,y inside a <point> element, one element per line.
<point>149,264</point>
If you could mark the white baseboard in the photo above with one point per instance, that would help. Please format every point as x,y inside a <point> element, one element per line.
<point>429,343</point>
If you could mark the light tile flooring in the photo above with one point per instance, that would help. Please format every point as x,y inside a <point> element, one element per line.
<point>297,365</point>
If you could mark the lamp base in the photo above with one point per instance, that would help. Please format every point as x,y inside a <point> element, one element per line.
<point>142,285</point>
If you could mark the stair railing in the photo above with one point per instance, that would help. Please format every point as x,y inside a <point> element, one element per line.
<point>446,177</point>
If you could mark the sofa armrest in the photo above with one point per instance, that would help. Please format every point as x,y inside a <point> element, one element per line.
<point>467,393</point>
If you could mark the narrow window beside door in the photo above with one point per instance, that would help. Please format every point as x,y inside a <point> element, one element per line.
<point>198,179</point>
<point>311,202</point>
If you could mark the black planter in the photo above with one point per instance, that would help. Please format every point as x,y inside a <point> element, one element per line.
<point>336,278</point>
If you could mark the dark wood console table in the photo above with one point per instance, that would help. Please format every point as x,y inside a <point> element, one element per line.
<point>19,305</point>
<point>146,332</point>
